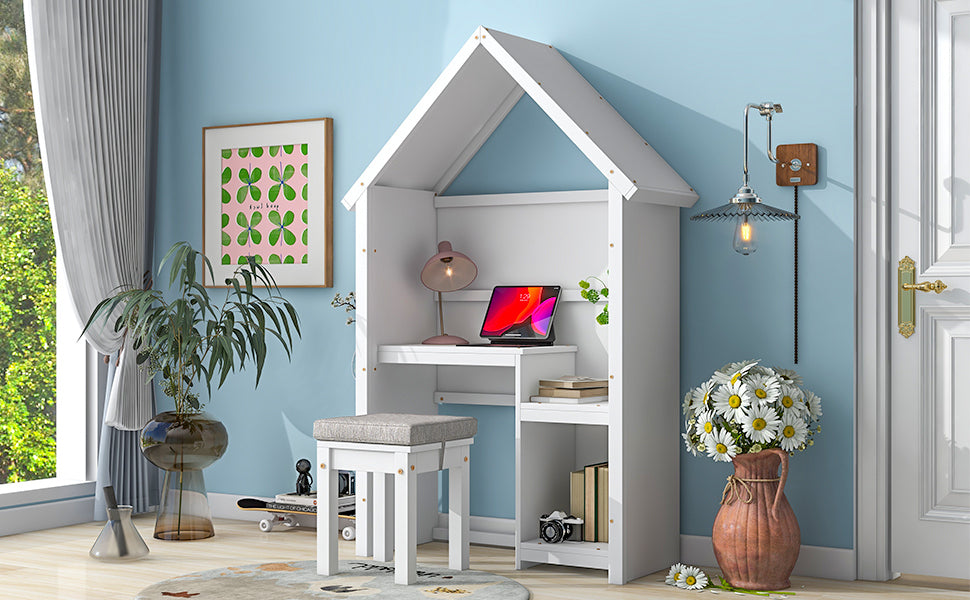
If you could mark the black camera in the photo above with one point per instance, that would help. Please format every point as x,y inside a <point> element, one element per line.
<point>557,526</point>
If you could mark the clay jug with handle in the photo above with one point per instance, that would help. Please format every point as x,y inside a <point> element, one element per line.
<point>756,536</point>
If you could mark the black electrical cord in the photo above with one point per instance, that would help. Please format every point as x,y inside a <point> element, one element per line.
<point>796,277</point>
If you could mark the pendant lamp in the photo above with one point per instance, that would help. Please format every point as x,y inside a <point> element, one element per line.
<point>746,206</point>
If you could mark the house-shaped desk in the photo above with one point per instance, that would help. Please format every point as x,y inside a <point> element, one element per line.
<point>629,229</point>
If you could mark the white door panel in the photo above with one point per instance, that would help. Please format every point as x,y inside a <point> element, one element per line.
<point>930,406</point>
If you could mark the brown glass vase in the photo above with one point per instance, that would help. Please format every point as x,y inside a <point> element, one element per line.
<point>756,536</point>
<point>183,445</point>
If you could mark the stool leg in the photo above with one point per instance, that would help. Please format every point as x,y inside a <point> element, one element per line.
<point>363,516</point>
<point>405,526</point>
<point>458,484</point>
<point>383,507</point>
<point>326,513</point>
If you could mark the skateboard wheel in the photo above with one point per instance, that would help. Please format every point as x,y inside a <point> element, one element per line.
<point>349,533</point>
<point>265,525</point>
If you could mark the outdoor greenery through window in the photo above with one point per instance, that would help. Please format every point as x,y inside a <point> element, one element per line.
<point>27,272</point>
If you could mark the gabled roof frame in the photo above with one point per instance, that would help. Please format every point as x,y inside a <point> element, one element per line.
<point>475,93</point>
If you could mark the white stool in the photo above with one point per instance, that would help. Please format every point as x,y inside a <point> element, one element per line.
<point>396,448</point>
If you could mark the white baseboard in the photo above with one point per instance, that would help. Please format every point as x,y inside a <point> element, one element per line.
<point>813,561</point>
<point>483,530</point>
<point>46,515</point>
<point>223,506</point>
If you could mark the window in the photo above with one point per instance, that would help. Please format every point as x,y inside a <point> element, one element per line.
<point>43,408</point>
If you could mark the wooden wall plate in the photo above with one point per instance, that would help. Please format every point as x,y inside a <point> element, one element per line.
<point>806,155</point>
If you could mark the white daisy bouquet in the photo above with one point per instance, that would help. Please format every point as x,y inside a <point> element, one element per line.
<point>746,407</point>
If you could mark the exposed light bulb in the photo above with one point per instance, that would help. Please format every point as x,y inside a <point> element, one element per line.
<point>448,271</point>
<point>745,237</point>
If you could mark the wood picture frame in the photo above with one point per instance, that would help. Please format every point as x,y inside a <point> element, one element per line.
<point>267,192</point>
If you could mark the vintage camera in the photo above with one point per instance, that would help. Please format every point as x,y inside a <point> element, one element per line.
<point>557,526</point>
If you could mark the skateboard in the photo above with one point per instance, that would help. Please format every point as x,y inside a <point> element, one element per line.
<point>294,515</point>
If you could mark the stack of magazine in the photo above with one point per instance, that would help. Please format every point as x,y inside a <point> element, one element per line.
<point>573,389</point>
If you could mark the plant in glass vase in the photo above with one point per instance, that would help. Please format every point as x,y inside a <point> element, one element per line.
<point>191,339</point>
<point>755,417</point>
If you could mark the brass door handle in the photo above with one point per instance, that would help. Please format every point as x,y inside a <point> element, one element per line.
<point>927,286</point>
<point>906,304</point>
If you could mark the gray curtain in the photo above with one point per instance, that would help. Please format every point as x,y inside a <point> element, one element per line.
<point>94,65</point>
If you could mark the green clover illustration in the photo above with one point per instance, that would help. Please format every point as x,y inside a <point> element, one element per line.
<point>226,240</point>
<point>281,228</point>
<point>226,178</point>
<point>256,257</point>
<point>249,231</point>
<point>274,259</point>
<point>249,189</point>
<point>288,192</point>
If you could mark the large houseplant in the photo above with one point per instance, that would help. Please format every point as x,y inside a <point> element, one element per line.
<point>188,340</point>
<point>753,416</point>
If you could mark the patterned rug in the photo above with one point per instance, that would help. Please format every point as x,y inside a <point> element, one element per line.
<point>357,579</point>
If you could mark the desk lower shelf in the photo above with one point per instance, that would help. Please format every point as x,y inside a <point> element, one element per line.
<point>593,555</point>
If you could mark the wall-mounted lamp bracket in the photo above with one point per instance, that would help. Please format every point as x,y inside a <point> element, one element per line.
<point>797,164</point>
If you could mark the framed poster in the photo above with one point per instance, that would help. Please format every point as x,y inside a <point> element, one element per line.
<point>267,192</point>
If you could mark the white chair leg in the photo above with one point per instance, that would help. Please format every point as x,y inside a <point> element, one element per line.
<point>405,525</point>
<point>458,484</point>
<point>383,518</point>
<point>326,513</point>
<point>363,520</point>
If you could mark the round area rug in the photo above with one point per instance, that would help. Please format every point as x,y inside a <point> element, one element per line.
<point>357,579</point>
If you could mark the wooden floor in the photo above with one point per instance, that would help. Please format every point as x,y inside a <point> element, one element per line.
<point>54,564</point>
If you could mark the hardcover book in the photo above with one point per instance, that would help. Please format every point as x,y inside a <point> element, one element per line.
<point>573,382</point>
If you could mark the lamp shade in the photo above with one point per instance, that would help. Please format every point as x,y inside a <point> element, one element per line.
<point>448,270</point>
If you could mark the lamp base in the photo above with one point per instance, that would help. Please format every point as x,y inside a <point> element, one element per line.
<point>446,340</point>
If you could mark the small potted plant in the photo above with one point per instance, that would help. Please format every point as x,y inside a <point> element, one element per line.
<point>193,339</point>
<point>754,417</point>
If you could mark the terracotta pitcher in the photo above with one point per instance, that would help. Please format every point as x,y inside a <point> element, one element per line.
<point>756,536</point>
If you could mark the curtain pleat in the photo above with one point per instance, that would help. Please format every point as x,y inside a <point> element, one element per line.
<point>94,69</point>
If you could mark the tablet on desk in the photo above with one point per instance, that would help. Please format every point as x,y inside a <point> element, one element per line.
<point>521,315</point>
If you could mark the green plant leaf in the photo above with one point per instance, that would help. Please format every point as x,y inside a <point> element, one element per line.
<point>274,193</point>
<point>274,259</point>
<point>289,237</point>
<point>288,218</point>
<point>304,259</point>
<point>288,170</point>
<point>257,151</point>
<point>305,232</point>
<point>305,166</point>
<point>274,236</point>
<point>225,219</point>
<point>304,192</point>
<point>243,152</point>
<point>226,196</point>
<point>288,148</point>
<point>226,239</point>
<point>227,153</point>
<point>226,175</point>
<point>274,217</point>
<point>289,260</point>
<point>241,220</point>
<point>274,150</point>
<point>288,191</point>
<point>274,173</point>
<point>303,149</point>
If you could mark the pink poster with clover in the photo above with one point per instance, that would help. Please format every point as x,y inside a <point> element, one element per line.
<point>264,204</point>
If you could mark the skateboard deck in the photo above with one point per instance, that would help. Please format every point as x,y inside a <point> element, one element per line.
<point>294,515</point>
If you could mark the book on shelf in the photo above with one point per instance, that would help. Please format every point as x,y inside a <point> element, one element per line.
<point>577,494</point>
<point>548,392</point>
<point>573,382</point>
<point>558,400</point>
<point>591,498</point>
<point>603,503</point>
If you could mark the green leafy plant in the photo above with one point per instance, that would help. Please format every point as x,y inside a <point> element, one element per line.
<point>193,338</point>
<point>594,295</point>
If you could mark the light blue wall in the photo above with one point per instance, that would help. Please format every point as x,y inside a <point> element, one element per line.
<point>679,72</point>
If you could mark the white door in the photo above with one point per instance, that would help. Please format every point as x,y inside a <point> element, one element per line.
<point>930,407</point>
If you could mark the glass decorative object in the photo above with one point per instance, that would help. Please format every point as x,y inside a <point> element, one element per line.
<point>119,540</point>
<point>183,445</point>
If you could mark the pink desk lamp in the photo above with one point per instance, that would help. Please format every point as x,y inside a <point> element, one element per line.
<point>447,271</point>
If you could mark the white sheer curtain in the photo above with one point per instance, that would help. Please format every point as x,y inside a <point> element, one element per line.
<point>94,69</point>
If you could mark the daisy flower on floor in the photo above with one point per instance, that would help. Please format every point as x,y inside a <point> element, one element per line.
<point>675,574</point>
<point>692,578</point>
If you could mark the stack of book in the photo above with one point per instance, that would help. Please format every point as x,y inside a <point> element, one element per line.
<point>589,499</point>
<point>573,389</point>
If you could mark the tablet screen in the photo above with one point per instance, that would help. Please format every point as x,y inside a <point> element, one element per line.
<point>520,312</point>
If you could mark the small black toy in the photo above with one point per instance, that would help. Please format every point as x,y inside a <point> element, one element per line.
<point>304,480</point>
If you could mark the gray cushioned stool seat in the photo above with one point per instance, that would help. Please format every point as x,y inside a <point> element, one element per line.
<point>395,429</point>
